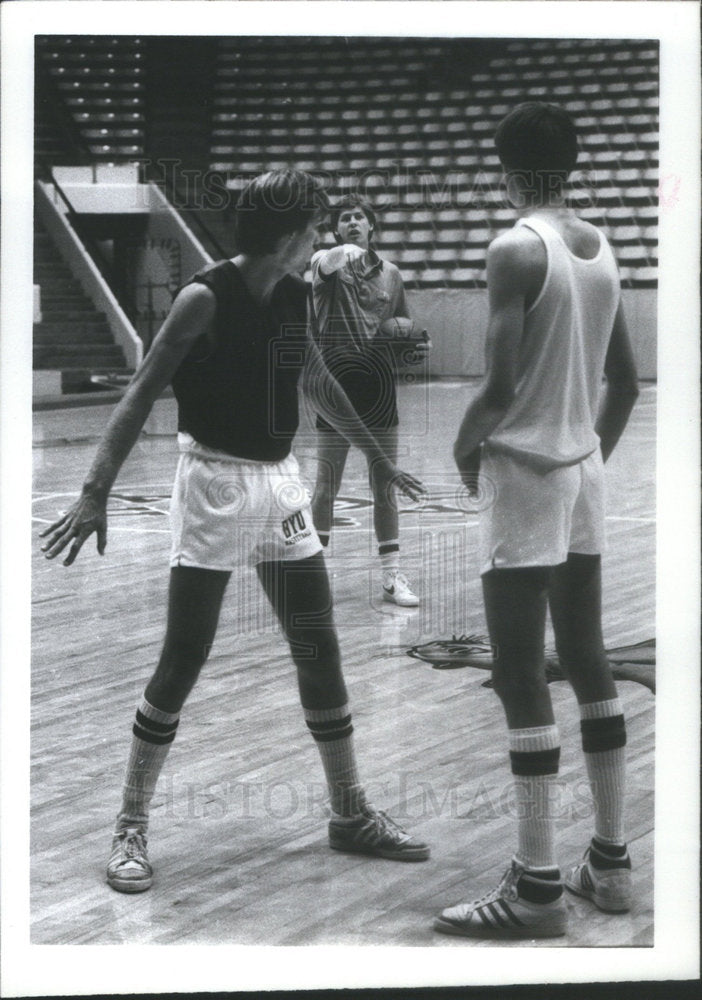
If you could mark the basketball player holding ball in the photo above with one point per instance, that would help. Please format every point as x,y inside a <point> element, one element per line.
<point>363,329</point>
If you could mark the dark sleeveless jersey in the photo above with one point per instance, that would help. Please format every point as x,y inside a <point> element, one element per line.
<point>240,396</point>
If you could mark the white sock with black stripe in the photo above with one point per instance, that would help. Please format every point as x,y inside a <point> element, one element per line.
<point>333,734</point>
<point>603,733</point>
<point>534,757</point>
<point>389,553</point>
<point>153,733</point>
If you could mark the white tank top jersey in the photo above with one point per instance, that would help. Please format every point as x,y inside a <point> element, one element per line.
<point>561,362</point>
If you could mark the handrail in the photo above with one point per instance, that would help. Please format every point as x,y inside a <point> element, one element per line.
<point>174,193</point>
<point>51,211</point>
<point>96,253</point>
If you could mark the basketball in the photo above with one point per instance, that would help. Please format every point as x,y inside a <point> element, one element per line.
<point>402,330</point>
<point>408,341</point>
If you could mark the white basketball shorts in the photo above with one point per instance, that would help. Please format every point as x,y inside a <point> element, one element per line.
<point>537,518</point>
<point>228,512</point>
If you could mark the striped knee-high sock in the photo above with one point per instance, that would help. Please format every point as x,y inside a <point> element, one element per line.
<point>333,734</point>
<point>534,757</point>
<point>604,738</point>
<point>153,733</point>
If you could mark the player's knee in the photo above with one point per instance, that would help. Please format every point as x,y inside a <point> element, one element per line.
<point>191,654</point>
<point>180,662</point>
<point>324,495</point>
<point>515,683</point>
<point>384,502</point>
<point>169,693</point>
<point>383,496</point>
<point>579,658</point>
<point>314,649</point>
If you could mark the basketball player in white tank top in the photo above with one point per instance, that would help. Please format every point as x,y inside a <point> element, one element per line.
<point>538,430</point>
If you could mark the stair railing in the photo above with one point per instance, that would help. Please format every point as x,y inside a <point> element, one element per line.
<point>175,193</point>
<point>103,264</point>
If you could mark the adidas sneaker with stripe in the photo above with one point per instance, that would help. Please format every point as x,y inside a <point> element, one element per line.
<point>374,832</point>
<point>603,879</point>
<point>511,910</point>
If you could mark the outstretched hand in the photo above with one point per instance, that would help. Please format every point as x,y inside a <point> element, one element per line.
<point>338,256</point>
<point>86,516</point>
<point>352,252</point>
<point>405,483</point>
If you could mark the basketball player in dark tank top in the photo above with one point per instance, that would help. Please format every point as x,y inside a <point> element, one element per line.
<point>235,346</point>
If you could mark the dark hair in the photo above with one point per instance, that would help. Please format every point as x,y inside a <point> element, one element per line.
<point>538,138</point>
<point>350,201</point>
<point>276,204</point>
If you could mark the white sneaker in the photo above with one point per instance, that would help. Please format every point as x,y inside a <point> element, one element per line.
<point>609,888</point>
<point>128,869</point>
<point>508,912</point>
<point>397,590</point>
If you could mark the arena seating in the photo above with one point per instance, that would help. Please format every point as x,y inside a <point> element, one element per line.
<point>409,123</point>
<point>100,81</point>
<point>413,130</point>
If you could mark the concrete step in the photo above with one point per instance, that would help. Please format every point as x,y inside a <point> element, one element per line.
<point>72,315</point>
<point>68,293</point>
<point>46,254</point>
<point>85,325</point>
<point>59,286</point>
<point>78,356</point>
<point>56,276</point>
<point>86,333</point>
<point>59,303</point>
<point>44,264</point>
<point>52,266</point>
<point>72,334</point>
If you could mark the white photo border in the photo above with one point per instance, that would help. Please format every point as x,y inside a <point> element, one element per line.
<point>31,970</point>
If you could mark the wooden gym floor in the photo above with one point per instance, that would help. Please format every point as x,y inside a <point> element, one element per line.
<point>238,829</point>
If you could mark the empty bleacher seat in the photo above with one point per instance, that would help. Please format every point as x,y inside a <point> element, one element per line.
<point>427,154</point>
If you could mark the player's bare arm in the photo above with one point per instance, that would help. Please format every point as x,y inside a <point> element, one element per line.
<point>515,271</point>
<point>189,319</point>
<point>333,404</point>
<point>621,389</point>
